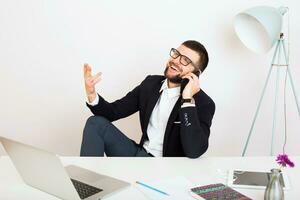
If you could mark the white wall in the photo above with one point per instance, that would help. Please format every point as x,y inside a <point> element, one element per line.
<point>43,45</point>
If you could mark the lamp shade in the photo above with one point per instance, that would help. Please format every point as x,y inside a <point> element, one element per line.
<point>259,27</point>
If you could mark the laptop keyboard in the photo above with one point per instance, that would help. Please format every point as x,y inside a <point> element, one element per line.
<point>84,190</point>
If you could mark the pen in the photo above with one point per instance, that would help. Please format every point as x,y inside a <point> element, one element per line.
<point>152,188</point>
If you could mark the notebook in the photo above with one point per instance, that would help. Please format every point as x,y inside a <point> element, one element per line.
<point>217,191</point>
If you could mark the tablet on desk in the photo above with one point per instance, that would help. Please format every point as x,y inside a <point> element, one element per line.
<point>253,179</point>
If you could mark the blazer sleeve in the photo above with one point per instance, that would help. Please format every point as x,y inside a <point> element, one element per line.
<point>118,109</point>
<point>195,128</point>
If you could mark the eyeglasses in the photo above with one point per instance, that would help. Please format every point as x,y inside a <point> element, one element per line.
<point>184,60</point>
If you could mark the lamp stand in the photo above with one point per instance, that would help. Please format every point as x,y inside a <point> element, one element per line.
<point>280,46</point>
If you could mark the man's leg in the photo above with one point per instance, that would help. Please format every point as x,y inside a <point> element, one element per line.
<point>100,136</point>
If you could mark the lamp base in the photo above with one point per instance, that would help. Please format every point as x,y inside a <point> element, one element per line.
<point>280,45</point>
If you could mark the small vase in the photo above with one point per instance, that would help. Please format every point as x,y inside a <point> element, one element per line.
<point>274,189</point>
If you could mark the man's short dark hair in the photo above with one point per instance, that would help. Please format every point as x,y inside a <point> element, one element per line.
<point>200,49</point>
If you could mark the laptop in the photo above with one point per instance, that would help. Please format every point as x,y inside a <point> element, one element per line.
<point>43,170</point>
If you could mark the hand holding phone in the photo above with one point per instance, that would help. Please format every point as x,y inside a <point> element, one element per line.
<point>185,82</point>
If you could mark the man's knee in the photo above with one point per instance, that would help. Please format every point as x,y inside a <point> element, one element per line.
<point>95,125</point>
<point>97,120</point>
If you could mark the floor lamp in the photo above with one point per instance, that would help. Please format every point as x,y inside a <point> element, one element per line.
<point>259,29</point>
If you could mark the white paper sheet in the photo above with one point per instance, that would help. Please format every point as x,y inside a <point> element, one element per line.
<point>177,188</point>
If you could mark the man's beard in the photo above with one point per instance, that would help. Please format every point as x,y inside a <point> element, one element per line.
<point>175,79</point>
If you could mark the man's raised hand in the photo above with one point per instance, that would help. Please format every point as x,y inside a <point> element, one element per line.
<point>90,81</point>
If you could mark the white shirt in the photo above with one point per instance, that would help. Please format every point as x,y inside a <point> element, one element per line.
<point>159,118</point>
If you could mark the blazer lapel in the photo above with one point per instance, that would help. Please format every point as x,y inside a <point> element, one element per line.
<point>152,101</point>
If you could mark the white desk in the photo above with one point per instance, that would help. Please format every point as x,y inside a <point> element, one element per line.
<point>201,171</point>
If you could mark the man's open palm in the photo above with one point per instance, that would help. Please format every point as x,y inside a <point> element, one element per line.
<point>90,80</point>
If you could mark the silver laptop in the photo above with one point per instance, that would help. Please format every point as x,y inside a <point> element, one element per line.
<point>44,171</point>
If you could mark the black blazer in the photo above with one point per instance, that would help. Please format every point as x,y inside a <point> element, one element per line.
<point>188,138</point>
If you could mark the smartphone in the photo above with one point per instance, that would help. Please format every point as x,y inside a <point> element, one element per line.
<point>185,81</point>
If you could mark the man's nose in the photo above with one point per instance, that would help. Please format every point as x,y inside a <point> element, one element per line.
<point>177,61</point>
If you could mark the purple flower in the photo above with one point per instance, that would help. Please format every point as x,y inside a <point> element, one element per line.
<point>283,160</point>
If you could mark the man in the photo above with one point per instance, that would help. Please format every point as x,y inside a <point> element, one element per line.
<point>173,124</point>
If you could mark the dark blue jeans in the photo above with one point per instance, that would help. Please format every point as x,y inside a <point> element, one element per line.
<point>101,136</point>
